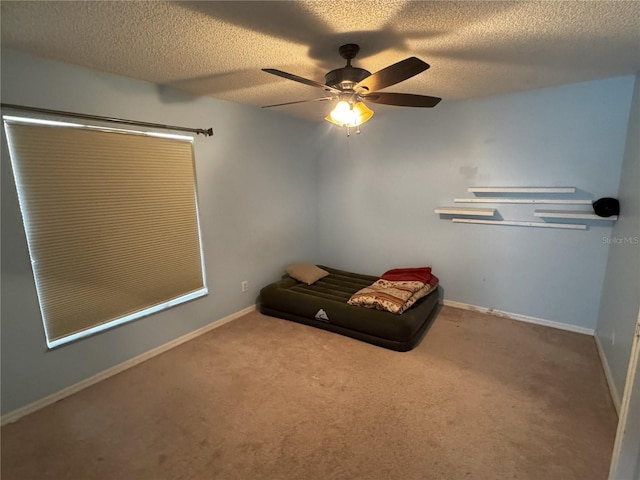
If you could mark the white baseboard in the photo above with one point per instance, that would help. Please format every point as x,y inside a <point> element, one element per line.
<point>132,362</point>
<point>521,318</point>
<point>608,375</point>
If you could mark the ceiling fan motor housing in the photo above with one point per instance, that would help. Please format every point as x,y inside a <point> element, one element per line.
<point>345,77</point>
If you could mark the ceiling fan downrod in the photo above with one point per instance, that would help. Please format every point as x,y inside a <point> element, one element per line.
<point>347,77</point>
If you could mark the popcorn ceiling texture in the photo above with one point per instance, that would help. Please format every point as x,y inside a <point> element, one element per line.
<point>217,49</point>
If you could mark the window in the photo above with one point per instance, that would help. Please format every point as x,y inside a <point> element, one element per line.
<point>111,221</point>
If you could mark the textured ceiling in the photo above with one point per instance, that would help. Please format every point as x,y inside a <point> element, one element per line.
<point>475,48</point>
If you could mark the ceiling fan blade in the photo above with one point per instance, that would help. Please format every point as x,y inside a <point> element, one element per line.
<point>402,99</point>
<point>296,78</point>
<point>392,74</point>
<point>299,101</point>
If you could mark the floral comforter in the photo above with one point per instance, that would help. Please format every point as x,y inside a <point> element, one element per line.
<point>397,290</point>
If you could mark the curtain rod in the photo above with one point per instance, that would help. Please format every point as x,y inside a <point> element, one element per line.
<point>200,131</point>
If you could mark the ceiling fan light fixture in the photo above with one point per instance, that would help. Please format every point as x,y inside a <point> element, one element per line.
<point>364,113</point>
<point>342,114</point>
<point>349,115</point>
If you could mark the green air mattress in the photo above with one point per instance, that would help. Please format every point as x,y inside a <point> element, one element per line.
<point>324,305</point>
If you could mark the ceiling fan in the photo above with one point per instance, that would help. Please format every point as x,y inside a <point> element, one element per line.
<point>351,85</point>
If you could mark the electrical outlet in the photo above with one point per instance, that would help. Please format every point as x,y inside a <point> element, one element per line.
<point>244,286</point>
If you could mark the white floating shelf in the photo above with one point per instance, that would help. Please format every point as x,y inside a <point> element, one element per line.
<point>571,214</point>
<point>479,212</point>
<point>522,189</point>
<point>522,200</point>
<point>568,226</point>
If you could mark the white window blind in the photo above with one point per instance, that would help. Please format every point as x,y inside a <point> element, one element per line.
<point>111,221</point>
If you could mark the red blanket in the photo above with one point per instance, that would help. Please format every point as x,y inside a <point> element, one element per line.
<point>416,274</point>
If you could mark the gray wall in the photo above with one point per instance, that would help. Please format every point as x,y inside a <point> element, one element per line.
<point>378,191</point>
<point>256,192</point>
<point>621,291</point>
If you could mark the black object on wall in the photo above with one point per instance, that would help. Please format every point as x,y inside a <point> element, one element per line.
<point>606,207</point>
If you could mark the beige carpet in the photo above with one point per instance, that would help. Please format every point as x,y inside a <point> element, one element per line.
<point>481,397</point>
